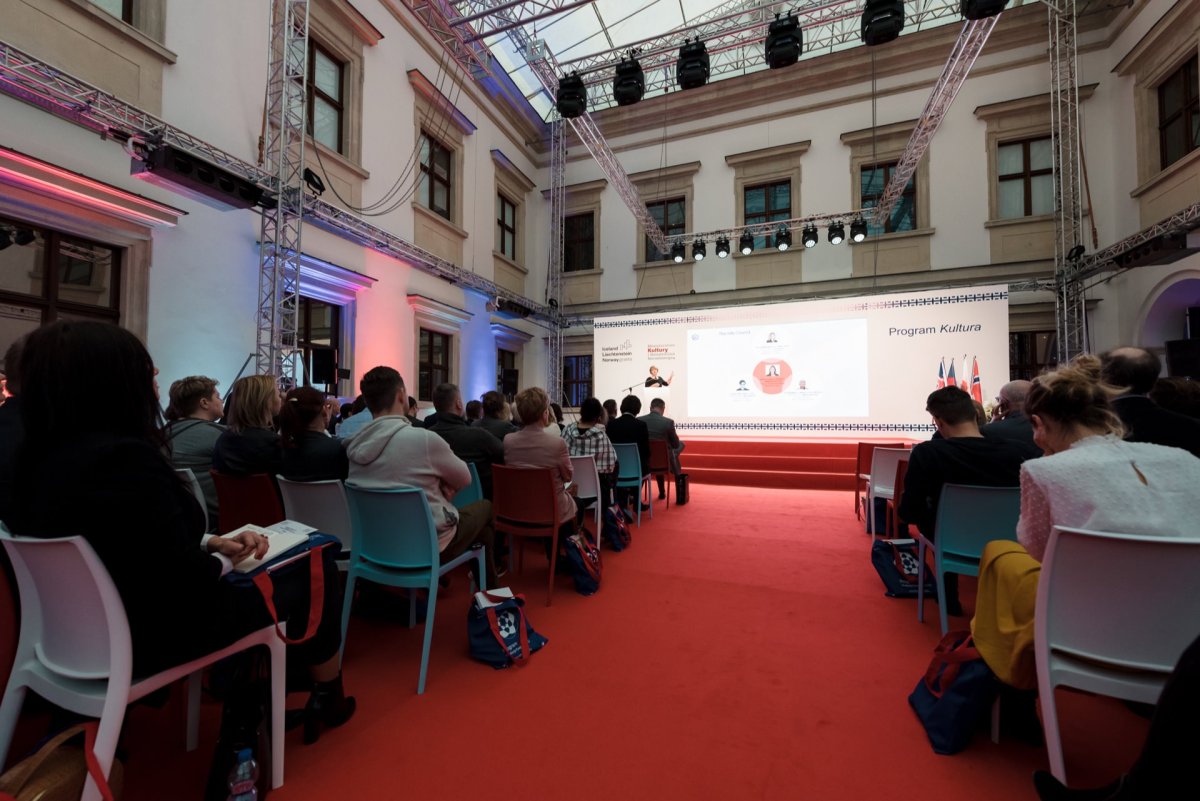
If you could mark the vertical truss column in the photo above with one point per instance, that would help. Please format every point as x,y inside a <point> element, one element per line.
<point>279,248</point>
<point>1064,121</point>
<point>554,270</point>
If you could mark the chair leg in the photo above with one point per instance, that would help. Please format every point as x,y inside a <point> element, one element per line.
<point>1053,736</point>
<point>10,711</point>
<point>553,565</point>
<point>869,509</point>
<point>107,735</point>
<point>921,582</point>
<point>193,709</point>
<point>996,720</point>
<point>940,578</point>
<point>278,708</point>
<point>481,570</point>
<point>649,496</point>
<point>347,602</point>
<point>412,607</point>
<point>428,639</point>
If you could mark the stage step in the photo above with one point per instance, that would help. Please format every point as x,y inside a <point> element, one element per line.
<point>812,464</point>
<point>772,479</point>
<point>832,449</point>
<point>786,464</point>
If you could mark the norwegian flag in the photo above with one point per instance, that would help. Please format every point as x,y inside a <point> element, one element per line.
<point>942,374</point>
<point>976,387</point>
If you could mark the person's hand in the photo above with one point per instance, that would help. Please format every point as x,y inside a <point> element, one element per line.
<point>242,546</point>
<point>573,489</point>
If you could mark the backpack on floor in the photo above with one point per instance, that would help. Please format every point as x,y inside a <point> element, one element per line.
<point>615,530</point>
<point>955,693</point>
<point>583,558</point>
<point>896,562</point>
<point>498,632</point>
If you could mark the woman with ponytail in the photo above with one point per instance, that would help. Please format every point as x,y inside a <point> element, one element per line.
<point>309,454</point>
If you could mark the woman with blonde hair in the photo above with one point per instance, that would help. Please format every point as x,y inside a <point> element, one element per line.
<point>251,444</point>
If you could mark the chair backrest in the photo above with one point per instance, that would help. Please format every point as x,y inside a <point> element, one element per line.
<point>1122,601</point>
<point>898,484</point>
<point>866,451</point>
<point>586,477</point>
<point>524,495</point>
<point>393,527</point>
<point>249,499</point>
<point>969,517</point>
<point>883,466</point>
<point>190,478</point>
<point>472,492</point>
<point>320,504</point>
<point>72,619</point>
<point>629,460</point>
<point>660,462</point>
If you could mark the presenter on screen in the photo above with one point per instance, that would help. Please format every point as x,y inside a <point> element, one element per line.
<point>657,381</point>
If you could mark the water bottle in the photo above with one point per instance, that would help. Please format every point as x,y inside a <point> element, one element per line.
<point>243,779</point>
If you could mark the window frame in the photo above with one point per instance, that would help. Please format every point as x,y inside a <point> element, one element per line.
<point>429,367</point>
<point>1189,109</point>
<point>1022,354</point>
<point>668,230</point>
<point>580,244</point>
<point>126,14</point>
<point>571,387</point>
<point>506,233</point>
<point>304,341</point>
<point>339,104</point>
<point>1026,175</point>
<point>428,174</point>
<point>909,191</point>
<point>764,241</point>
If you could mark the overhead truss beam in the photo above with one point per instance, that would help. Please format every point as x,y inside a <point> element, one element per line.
<point>520,12</point>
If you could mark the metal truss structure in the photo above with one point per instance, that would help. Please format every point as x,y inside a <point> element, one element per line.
<point>520,12</point>
<point>279,240</point>
<point>554,271</point>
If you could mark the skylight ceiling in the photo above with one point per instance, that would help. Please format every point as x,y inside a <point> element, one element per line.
<point>592,38</point>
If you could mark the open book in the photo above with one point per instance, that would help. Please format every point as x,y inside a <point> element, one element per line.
<point>282,536</point>
<point>483,601</point>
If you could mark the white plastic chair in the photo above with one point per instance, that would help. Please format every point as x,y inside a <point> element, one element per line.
<point>587,479</point>
<point>320,504</point>
<point>883,476</point>
<point>187,475</point>
<point>75,650</point>
<point>1114,613</point>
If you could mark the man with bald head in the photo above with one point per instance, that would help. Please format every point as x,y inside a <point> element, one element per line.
<point>1010,420</point>
<point>1134,371</point>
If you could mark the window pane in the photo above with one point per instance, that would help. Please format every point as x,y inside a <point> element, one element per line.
<point>756,201</point>
<point>871,181</point>
<point>16,321</point>
<point>441,161</point>
<point>1042,194</point>
<point>675,214</point>
<point>423,155</point>
<point>656,212</point>
<point>84,272</point>
<point>439,349</point>
<point>510,215</point>
<point>1174,141</point>
<point>424,348</point>
<point>441,198</point>
<point>326,123</point>
<point>1041,154</point>
<point>1170,96</point>
<point>114,7</point>
<point>21,265</point>
<point>1010,159</point>
<point>904,215</point>
<point>781,198</point>
<point>1012,199</point>
<point>327,75</point>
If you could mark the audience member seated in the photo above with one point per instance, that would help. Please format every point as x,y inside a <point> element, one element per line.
<point>391,452</point>
<point>249,445</point>
<point>11,427</point>
<point>474,412</point>
<point>495,418</point>
<point>1008,418</point>
<point>469,443</point>
<point>587,438</point>
<point>1179,395</point>
<point>193,409</point>
<point>960,456</point>
<point>1134,371</point>
<point>103,475</point>
<point>610,411</point>
<point>414,413</point>
<point>309,453</point>
<point>360,417</point>
<point>530,447</point>
<point>628,428</point>
<point>663,428</point>
<point>554,429</point>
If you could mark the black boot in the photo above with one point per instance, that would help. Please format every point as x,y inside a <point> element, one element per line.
<point>662,489</point>
<point>1051,789</point>
<point>327,707</point>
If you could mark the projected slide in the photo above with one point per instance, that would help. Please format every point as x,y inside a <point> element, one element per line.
<point>809,369</point>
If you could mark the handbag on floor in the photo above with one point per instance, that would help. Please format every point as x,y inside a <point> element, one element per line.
<point>681,489</point>
<point>498,632</point>
<point>57,771</point>
<point>955,693</point>
<point>615,530</point>
<point>583,557</point>
<point>896,562</point>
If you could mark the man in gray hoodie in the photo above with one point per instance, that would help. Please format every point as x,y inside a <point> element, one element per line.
<point>390,452</point>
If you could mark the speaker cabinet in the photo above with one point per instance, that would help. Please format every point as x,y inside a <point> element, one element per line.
<point>1193,322</point>
<point>324,366</point>
<point>508,381</point>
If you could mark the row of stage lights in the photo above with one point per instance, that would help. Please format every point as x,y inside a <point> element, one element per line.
<point>836,233</point>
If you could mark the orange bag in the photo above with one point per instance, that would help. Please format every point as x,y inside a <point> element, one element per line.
<point>58,770</point>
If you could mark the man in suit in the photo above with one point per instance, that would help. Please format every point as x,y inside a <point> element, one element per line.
<point>663,428</point>
<point>1134,371</point>
<point>1010,420</point>
<point>627,428</point>
<point>469,443</point>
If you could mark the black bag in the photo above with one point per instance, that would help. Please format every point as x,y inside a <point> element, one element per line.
<point>681,489</point>
<point>615,529</point>
<point>879,518</point>
<point>583,557</point>
<point>896,563</point>
<point>955,693</point>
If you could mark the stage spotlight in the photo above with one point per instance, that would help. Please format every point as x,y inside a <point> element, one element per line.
<point>1074,254</point>
<point>810,236</point>
<point>24,236</point>
<point>629,85</point>
<point>783,238</point>
<point>678,252</point>
<point>691,70</point>
<point>746,244</point>
<point>722,247</point>
<point>784,42</point>
<point>837,232</point>
<point>698,250</point>
<point>882,21</point>
<point>858,229</point>
<point>314,181</point>
<point>979,9</point>
<point>572,96</point>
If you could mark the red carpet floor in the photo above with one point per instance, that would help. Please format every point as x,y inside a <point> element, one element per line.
<point>741,649</point>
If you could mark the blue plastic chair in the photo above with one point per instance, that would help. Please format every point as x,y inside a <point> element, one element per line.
<point>396,544</point>
<point>629,474</point>
<point>968,518</point>
<point>470,493</point>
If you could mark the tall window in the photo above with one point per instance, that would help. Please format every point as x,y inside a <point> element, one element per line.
<point>1025,171</point>
<point>319,327</point>
<point>767,203</point>
<point>506,227</point>
<point>577,379</point>
<point>579,242</point>
<point>46,275</point>
<point>505,360</point>
<point>1030,353</point>
<point>434,190</point>
<point>1179,113</point>
<point>669,214</point>
<point>873,180</point>
<point>434,363</point>
<point>325,96</point>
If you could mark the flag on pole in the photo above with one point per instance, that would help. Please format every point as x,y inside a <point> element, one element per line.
<point>942,374</point>
<point>976,387</point>
<point>964,385</point>
<point>951,381</point>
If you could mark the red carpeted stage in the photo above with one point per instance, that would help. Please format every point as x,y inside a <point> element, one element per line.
<point>827,464</point>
